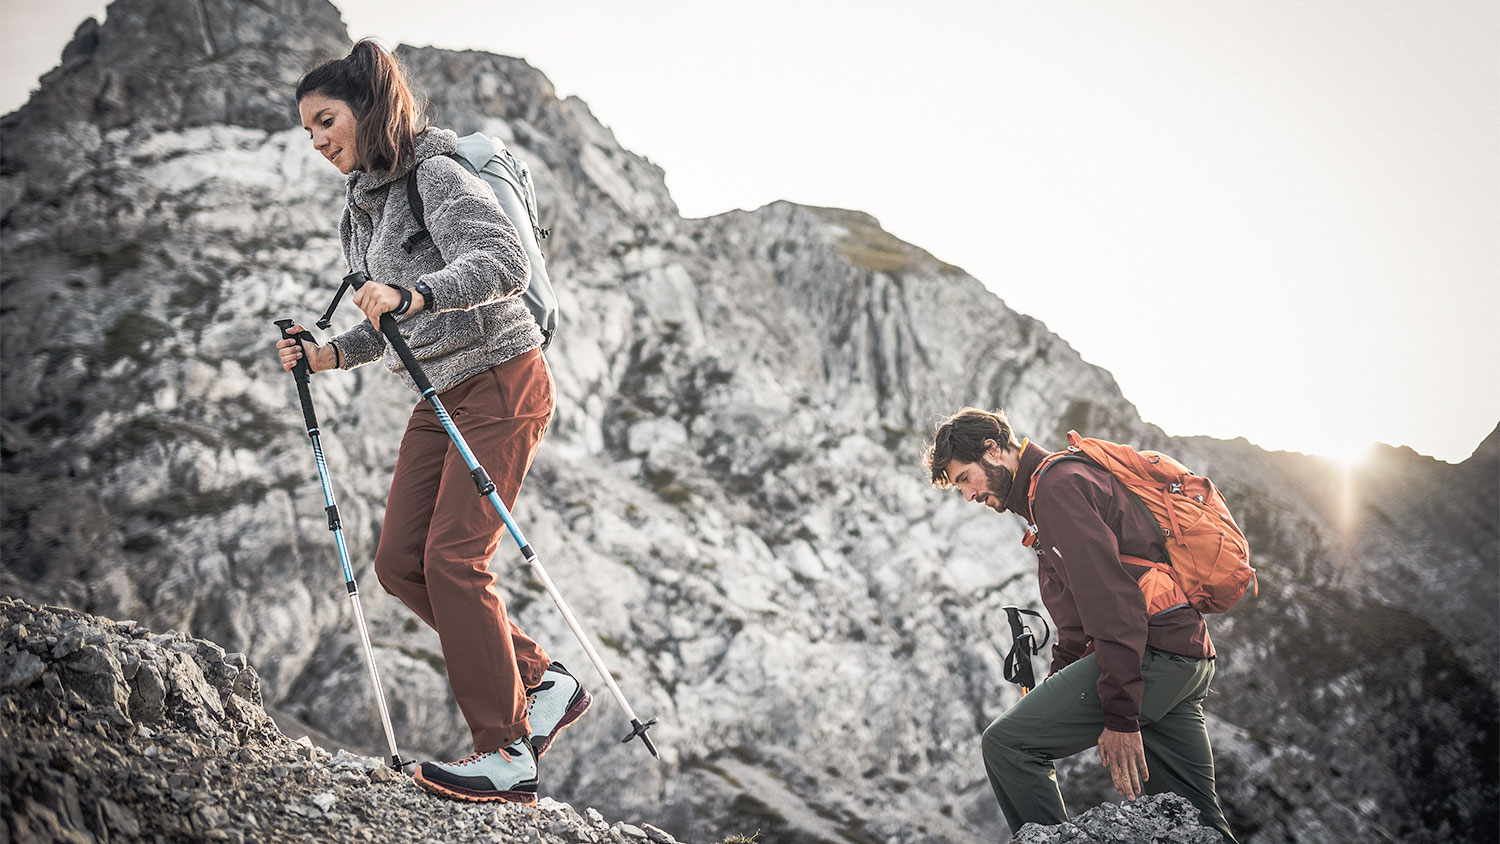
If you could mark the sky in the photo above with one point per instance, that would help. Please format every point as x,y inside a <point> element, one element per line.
<point>1277,220</point>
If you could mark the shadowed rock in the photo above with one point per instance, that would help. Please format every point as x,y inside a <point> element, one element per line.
<point>198,760</point>
<point>1154,819</point>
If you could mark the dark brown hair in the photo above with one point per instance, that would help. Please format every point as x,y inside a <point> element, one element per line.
<point>374,85</point>
<point>962,436</point>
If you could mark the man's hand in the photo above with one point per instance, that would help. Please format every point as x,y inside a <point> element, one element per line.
<point>1125,757</point>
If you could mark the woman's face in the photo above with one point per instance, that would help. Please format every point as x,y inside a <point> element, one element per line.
<point>332,126</point>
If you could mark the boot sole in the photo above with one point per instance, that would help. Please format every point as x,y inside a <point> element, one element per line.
<point>580,706</point>
<point>458,792</point>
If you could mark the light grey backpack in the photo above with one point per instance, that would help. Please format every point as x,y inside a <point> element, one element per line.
<point>510,179</point>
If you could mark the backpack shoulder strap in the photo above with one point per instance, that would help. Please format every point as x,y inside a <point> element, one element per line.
<point>1041,469</point>
<point>1047,463</point>
<point>414,200</point>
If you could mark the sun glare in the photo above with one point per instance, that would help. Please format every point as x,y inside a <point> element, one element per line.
<point>1349,455</point>
<point>1348,458</point>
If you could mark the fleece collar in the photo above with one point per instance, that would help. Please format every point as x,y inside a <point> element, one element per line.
<point>430,143</point>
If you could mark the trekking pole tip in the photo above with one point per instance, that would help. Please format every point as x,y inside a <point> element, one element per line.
<point>639,729</point>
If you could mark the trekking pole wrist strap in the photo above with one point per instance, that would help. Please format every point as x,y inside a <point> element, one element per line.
<point>405,300</point>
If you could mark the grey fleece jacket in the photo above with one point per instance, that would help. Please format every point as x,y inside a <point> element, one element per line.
<point>474,263</point>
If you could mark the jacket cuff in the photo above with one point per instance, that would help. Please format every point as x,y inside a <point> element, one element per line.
<point>359,347</point>
<point>443,291</point>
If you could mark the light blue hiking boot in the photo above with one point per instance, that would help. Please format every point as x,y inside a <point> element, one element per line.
<point>554,703</point>
<point>507,775</point>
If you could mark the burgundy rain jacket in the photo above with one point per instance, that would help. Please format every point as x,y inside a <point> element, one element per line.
<point>1086,520</point>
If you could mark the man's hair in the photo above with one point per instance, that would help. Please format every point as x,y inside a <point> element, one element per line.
<point>962,436</point>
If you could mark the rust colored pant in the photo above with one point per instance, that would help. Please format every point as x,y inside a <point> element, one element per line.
<point>439,535</point>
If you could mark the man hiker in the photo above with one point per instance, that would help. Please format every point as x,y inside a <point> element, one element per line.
<point>1130,684</point>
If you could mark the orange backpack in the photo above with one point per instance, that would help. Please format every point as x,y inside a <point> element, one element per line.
<point>1210,558</point>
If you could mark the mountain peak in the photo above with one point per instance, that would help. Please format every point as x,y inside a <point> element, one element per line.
<point>175,64</point>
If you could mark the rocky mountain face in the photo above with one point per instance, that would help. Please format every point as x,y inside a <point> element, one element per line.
<point>729,495</point>
<point>115,733</point>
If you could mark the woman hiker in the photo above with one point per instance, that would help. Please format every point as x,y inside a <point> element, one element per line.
<point>456,299</point>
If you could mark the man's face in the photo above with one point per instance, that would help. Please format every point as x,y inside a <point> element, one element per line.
<point>987,481</point>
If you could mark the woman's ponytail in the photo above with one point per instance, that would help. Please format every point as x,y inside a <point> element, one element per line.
<point>374,85</point>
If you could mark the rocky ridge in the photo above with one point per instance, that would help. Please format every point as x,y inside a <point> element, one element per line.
<point>1153,819</point>
<point>728,495</point>
<point>109,732</point>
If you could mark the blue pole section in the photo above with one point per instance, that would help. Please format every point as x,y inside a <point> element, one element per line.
<point>482,480</point>
<point>332,507</point>
<point>300,372</point>
<point>486,488</point>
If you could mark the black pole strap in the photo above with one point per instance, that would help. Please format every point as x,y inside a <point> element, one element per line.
<point>327,318</point>
<point>1018,668</point>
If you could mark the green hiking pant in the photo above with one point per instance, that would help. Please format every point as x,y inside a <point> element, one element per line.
<point>1062,716</point>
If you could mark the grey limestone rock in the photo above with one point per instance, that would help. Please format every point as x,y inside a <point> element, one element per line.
<point>21,669</point>
<point>728,494</point>
<point>1154,819</point>
<point>75,779</point>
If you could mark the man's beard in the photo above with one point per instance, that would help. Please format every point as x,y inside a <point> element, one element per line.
<point>1000,480</point>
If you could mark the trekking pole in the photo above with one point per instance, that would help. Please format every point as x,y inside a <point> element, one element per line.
<point>1023,645</point>
<point>486,489</point>
<point>300,373</point>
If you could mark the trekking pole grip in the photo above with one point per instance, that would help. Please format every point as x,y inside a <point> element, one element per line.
<point>393,336</point>
<point>300,371</point>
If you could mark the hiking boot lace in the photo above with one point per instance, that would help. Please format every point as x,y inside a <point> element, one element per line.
<point>476,756</point>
